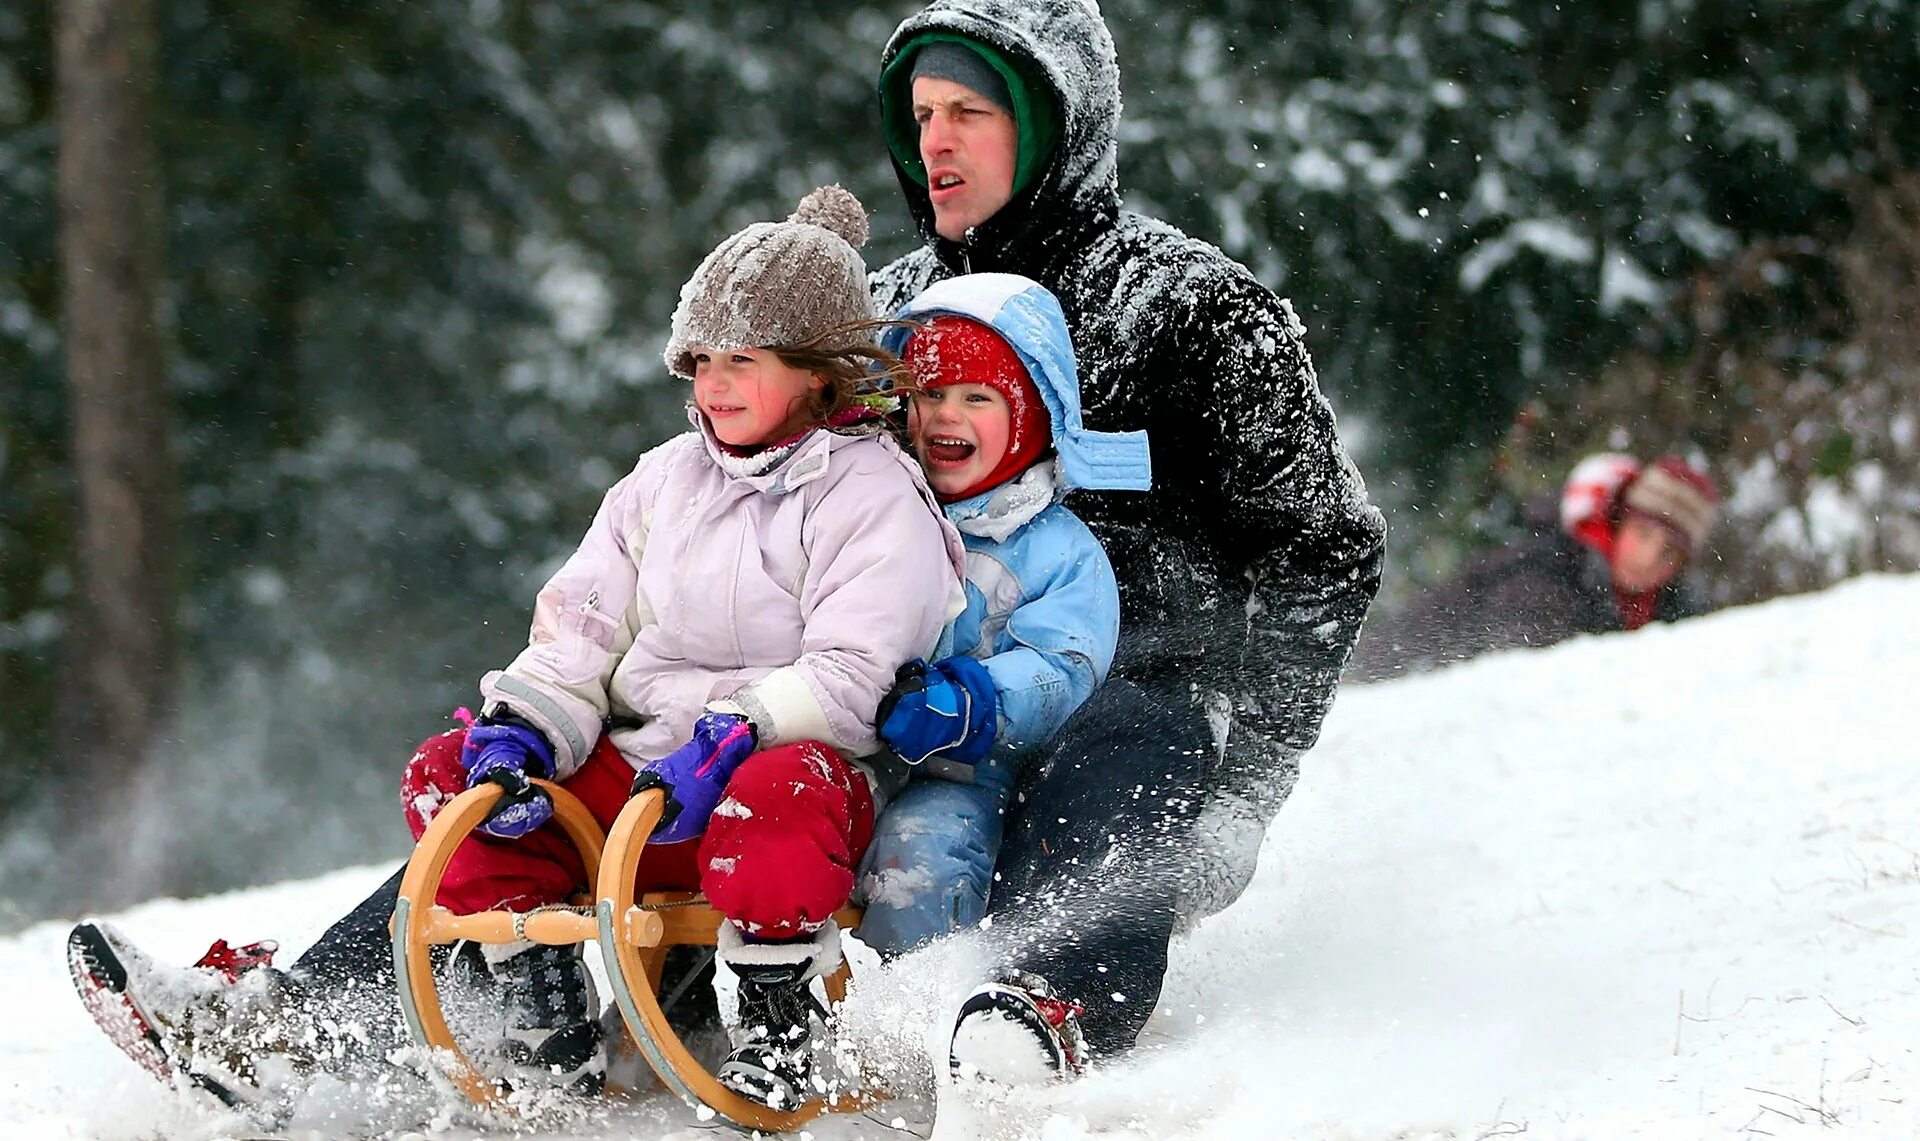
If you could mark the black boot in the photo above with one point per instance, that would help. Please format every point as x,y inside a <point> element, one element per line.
<point>553,1033</point>
<point>772,1059</point>
<point>773,1064</point>
<point>230,1024</point>
<point>1014,1031</point>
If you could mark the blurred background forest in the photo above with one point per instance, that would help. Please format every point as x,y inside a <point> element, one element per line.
<point>403,272</point>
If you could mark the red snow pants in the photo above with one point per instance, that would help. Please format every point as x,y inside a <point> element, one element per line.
<point>777,858</point>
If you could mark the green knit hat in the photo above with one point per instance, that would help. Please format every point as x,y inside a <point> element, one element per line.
<point>1035,118</point>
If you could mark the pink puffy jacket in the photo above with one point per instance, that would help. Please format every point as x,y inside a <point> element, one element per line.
<point>791,596</point>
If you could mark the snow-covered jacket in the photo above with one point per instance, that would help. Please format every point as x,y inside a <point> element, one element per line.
<point>790,593</point>
<point>1043,608</point>
<point>1245,573</point>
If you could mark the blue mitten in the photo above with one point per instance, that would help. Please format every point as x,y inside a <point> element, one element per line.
<point>949,707</point>
<point>508,751</point>
<point>696,774</point>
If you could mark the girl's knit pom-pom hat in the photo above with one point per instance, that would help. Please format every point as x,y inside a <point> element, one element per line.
<point>834,208</point>
<point>777,283</point>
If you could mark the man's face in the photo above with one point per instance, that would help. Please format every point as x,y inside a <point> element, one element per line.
<point>969,145</point>
<point>1645,555</point>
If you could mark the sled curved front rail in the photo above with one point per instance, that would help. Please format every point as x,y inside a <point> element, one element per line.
<point>419,923</point>
<point>634,935</point>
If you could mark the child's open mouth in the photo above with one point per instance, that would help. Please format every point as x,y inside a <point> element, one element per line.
<point>947,450</point>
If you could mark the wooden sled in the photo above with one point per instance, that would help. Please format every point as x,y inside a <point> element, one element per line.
<point>633,934</point>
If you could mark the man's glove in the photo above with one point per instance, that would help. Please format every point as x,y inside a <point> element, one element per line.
<point>507,751</point>
<point>949,707</point>
<point>695,775</point>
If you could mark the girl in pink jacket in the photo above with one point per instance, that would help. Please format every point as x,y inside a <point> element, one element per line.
<point>726,631</point>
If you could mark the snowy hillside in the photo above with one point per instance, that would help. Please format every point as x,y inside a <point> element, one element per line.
<point>1657,885</point>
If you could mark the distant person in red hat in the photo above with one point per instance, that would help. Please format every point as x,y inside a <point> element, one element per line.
<point>1613,560</point>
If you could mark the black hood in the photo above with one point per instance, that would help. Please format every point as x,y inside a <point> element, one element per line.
<point>1066,44</point>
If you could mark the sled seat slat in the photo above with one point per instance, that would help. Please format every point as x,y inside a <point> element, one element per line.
<point>555,928</point>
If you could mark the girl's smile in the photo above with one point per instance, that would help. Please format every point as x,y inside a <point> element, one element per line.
<point>750,396</point>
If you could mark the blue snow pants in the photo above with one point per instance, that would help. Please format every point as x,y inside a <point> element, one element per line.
<point>929,868</point>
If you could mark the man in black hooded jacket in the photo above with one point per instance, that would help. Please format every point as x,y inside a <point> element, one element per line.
<point>1244,574</point>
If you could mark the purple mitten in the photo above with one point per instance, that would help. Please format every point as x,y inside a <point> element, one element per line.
<point>507,751</point>
<point>696,774</point>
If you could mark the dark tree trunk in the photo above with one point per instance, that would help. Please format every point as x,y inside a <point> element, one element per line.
<point>121,631</point>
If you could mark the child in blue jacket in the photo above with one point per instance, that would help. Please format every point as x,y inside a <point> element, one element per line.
<point>996,424</point>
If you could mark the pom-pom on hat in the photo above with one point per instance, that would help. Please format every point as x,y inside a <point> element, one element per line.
<point>960,350</point>
<point>777,283</point>
<point>1672,492</point>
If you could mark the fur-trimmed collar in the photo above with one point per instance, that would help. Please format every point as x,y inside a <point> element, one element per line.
<point>1000,512</point>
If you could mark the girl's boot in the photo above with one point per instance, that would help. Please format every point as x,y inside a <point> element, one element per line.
<point>772,1058</point>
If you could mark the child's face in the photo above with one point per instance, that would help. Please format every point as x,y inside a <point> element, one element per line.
<point>751,396</point>
<point>960,434</point>
<point>1646,555</point>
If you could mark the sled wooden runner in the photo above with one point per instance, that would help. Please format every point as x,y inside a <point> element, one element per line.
<point>633,933</point>
<point>419,923</point>
<point>634,937</point>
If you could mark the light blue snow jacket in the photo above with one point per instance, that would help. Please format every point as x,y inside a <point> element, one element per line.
<point>1042,614</point>
<point>1043,608</point>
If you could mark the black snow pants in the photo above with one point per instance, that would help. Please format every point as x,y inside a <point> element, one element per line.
<point>1099,843</point>
<point>357,950</point>
<point>346,978</point>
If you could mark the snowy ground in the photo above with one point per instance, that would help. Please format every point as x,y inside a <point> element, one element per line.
<point>1656,885</point>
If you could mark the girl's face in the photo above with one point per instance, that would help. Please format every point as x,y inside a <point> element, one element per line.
<point>751,396</point>
<point>960,433</point>
<point>1645,555</point>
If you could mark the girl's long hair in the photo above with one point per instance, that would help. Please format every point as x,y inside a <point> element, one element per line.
<point>856,369</point>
